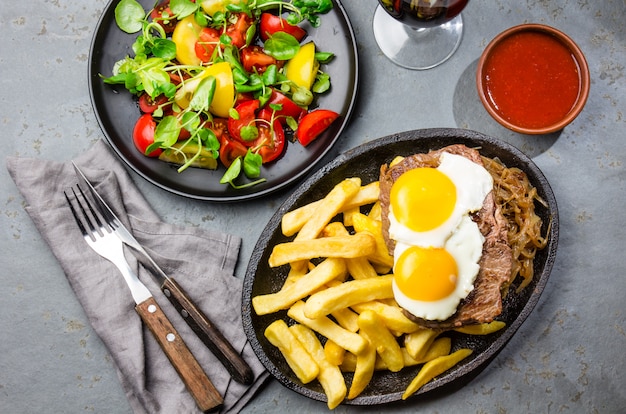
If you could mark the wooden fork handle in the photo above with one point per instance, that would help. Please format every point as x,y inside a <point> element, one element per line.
<point>198,384</point>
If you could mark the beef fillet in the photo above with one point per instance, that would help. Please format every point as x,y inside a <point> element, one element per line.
<point>483,303</point>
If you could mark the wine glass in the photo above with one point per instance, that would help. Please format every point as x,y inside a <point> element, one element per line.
<point>419,34</point>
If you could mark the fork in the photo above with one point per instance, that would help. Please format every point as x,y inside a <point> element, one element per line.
<point>100,237</point>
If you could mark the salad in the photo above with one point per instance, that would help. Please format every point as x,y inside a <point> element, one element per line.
<point>225,82</point>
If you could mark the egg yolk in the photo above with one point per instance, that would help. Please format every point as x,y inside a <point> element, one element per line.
<point>422,198</point>
<point>426,274</point>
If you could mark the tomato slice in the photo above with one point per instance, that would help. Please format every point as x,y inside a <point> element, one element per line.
<point>143,135</point>
<point>237,31</point>
<point>147,105</point>
<point>270,24</point>
<point>246,111</point>
<point>230,150</point>
<point>313,124</point>
<point>164,16</point>
<point>219,126</point>
<point>289,107</point>
<point>207,41</point>
<point>271,141</point>
<point>254,59</point>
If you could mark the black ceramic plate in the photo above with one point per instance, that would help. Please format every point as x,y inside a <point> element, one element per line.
<point>364,162</point>
<point>117,112</point>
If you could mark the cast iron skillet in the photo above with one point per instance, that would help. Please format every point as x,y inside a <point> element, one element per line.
<point>364,162</point>
<point>117,111</point>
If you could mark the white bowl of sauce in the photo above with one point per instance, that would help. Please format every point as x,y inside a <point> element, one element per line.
<point>533,79</point>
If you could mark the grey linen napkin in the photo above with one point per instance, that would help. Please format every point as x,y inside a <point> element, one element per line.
<point>202,262</point>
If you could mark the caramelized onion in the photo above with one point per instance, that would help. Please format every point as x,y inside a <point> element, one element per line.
<point>516,198</point>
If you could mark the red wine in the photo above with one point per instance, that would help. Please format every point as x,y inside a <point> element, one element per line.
<point>423,13</point>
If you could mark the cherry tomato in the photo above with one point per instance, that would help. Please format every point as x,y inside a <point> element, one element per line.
<point>271,141</point>
<point>313,124</point>
<point>219,126</point>
<point>242,97</point>
<point>163,15</point>
<point>230,150</point>
<point>289,107</point>
<point>223,96</point>
<point>185,36</point>
<point>205,45</point>
<point>271,24</point>
<point>246,111</point>
<point>176,79</point>
<point>302,68</point>
<point>147,105</point>
<point>237,31</point>
<point>143,135</point>
<point>254,59</point>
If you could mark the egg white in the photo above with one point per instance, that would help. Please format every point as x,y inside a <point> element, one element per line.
<point>459,235</point>
<point>465,246</point>
<point>472,181</point>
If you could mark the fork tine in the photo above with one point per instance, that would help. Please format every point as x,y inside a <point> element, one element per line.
<point>75,214</point>
<point>109,219</point>
<point>90,206</point>
<point>95,226</point>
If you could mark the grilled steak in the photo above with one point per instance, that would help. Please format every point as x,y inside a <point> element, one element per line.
<point>484,303</point>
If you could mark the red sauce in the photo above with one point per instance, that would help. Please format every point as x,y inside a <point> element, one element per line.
<point>531,79</point>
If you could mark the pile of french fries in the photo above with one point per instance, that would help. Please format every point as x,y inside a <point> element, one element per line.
<point>339,289</point>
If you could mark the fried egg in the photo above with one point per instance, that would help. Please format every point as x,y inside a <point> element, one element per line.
<point>438,246</point>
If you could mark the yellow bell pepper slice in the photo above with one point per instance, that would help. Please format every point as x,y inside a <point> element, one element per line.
<point>185,36</point>
<point>224,96</point>
<point>302,68</point>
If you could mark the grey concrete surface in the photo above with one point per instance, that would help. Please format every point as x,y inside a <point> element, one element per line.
<point>568,357</point>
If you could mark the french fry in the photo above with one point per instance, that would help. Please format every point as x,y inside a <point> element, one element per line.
<point>440,347</point>
<point>348,340</point>
<point>482,329</point>
<point>368,194</point>
<point>334,353</point>
<point>336,228</point>
<point>329,376</point>
<point>323,273</point>
<point>392,316</point>
<point>348,214</point>
<point>364,369</point>
<point>365,224</point>
<point>294,220</point>
<point>357,245</point>
<point>358,267</point>
<point>295,274</point>
<point>384,342</point>
<point>347,319</point>
<point>433,368</point>
<point>330,206</point>
<point>396,160</point>
<point>418,342</point>
<point>382,269</point>
<point>348,294</point>
<point>376,211</point>
<point>297,357</point>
